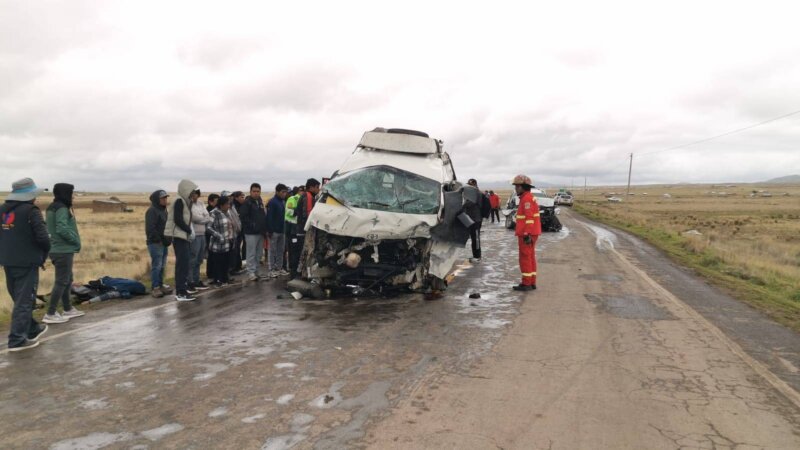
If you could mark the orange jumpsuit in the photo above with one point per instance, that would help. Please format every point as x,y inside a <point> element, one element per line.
<point>528,224</point>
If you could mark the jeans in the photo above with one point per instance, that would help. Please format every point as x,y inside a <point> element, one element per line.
<point>255,251</point>
<point>198,251</point>
<point>475,235</point>
<point>63,281</point>
<point>277,249</point>
<point>158,262</point>
<point>218,263</point>
<point>182,260</point>
<point>21,283</point>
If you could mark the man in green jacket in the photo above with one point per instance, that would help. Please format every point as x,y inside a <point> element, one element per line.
<point>65,242</point>
<point>292,242</point>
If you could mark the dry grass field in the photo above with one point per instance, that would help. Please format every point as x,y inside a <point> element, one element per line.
<point>112,244</point>
<point>745,238</point>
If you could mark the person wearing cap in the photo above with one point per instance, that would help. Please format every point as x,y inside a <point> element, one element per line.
<point>24,245</point>
<point>65,242</point>
<point>529,227</point>
<point>200,219</point>
<point>155,220</point>
<point>179,228</point>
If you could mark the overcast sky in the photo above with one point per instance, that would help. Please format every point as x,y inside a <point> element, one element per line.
<point>131,95</point>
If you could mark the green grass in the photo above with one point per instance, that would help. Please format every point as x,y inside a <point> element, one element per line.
<point>774,295</point>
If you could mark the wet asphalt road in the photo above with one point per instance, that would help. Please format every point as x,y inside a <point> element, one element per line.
<point>241,368</point>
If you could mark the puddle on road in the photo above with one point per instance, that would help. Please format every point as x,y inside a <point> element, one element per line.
<point>92,441</point>
<point>218,412</point>
<point>159,433</point>
<point>601,277</point>
<point>629,307</point>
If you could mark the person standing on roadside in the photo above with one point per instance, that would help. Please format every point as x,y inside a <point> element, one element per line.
<point>65,242</point>
<point>179,228</point>
<point>478,212</point>
<point>254,227</point>
<point>200,219</point>
<point>305,204</point>
<point>276,213</point>
<point>24,245</point>
<point>221,231</point>
<point>238,252</point>
<point>291,230</point>
<point>212,202</point>
<point>155,220</point>
<point>494,202</point>
<point>529,227</point>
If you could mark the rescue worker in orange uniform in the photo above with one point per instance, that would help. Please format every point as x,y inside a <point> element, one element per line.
<point>528,229</point>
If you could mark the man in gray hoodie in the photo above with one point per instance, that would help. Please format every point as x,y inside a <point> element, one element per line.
<point>179,228</point>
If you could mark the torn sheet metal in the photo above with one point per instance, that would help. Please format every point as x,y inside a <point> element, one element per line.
<point>443,257</point>
<point>370,224</point>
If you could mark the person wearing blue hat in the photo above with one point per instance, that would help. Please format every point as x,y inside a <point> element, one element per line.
<point>24,246</point>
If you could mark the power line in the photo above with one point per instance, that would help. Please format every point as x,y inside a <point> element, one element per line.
<point>738,130</point>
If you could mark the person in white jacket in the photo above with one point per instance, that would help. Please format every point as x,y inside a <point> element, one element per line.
<point>200,219</point>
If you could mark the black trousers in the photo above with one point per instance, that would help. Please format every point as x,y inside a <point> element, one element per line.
<point>236,254</point>
<point>475,237</point>
<point>296,242</point>
<point>21,283</point>
<point>219,263</point>
<point>495,213</point>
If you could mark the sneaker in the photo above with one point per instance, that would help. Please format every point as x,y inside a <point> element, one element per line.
<point>475,260</point>
<point>252,277</point>
<point>263,277</point>
<point>54,318</point>
<point>166,289</point>
<point>184,297</point>
<point>158,292</point>
<point>216,285</point>
<point>42,330</point>
<point>274,274</point>
<point>24,346</point>
<point>283,273</point>
<point>191,290</point>
<point>72,313</point>
<point>200,286</point>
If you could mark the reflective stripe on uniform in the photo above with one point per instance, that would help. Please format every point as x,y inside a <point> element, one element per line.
<point>521,217</point>
<point>529,274</point>
<point>536,215</point>
<point>530,221</point>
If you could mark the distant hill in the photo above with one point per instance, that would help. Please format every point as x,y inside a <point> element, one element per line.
<point>785,180</point>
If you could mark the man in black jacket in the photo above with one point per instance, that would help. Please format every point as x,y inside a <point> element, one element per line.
<point>24,245</point>
<point>155,220</point>
<point>254,226</point>
<point>481,211</point>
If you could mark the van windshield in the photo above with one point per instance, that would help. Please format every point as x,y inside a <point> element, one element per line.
<point>384,188</point>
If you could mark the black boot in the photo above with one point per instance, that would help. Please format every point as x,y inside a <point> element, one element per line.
<point>524,287</point>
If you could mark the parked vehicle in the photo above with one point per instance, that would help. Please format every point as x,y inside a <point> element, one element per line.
<point>547,211</point>
<point>563,199</point>
<point>393,217</point>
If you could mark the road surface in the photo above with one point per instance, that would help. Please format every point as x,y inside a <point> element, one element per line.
<point>617,349</point>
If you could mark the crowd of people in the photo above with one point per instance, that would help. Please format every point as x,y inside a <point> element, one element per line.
<point>229,228</point>
<point>224,231</point>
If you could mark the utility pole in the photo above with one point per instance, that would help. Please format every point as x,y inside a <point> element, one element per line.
<point>584,189</point>
<point>630,169</point>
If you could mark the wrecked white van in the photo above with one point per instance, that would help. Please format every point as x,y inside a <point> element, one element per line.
<point>392,218</point>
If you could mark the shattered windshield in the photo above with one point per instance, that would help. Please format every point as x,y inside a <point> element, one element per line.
<point>384,188</point>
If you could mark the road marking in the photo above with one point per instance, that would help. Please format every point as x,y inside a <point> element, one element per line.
<point>762,370</point>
